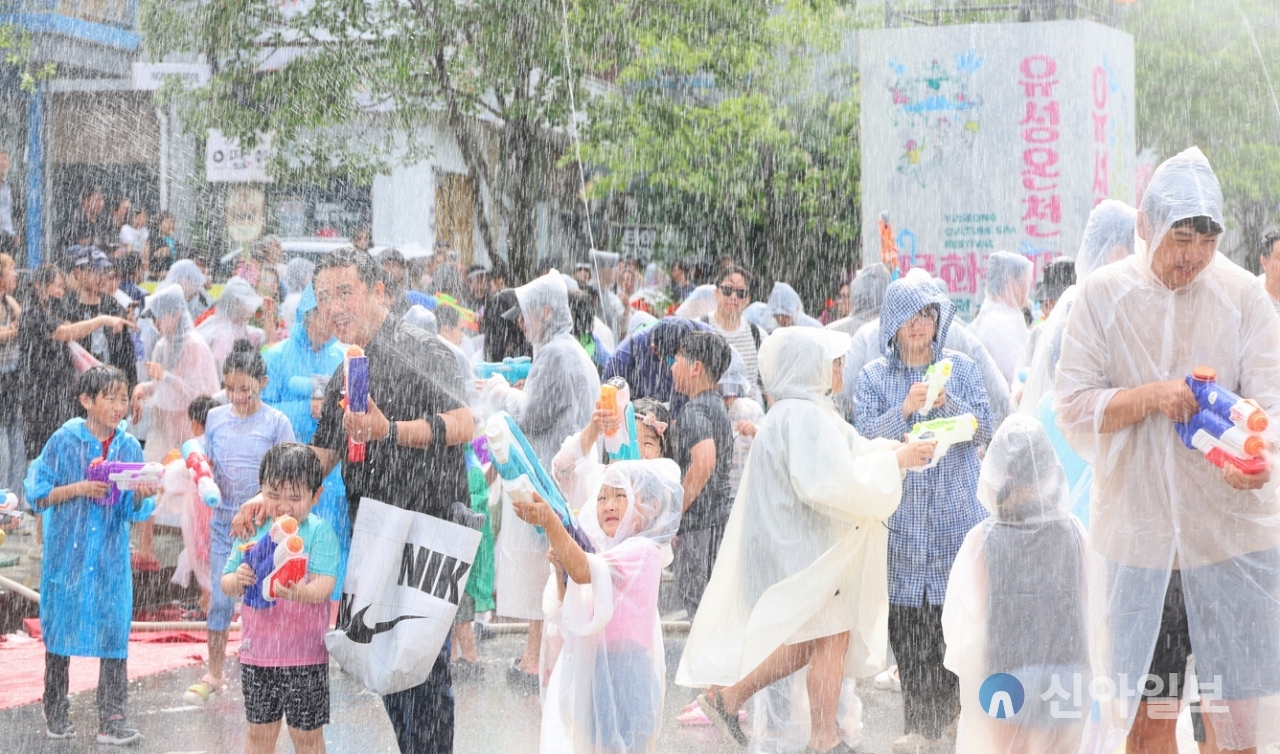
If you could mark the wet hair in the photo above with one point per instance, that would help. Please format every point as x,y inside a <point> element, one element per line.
<point>291,464</point>
<point>244,359</point>
<point>642,407</point>
<point>95,381</point>
<point>498,270</point>
<point>199,408</point>
<point>709,349</point>
<point>129,264</point>
<point>583,312</point>
<point>447,317</point>
<point>733,269</point>
<point>367,267</point>
<point>44,275</point>
<point>1202,224</point>
<point>1268,242</point>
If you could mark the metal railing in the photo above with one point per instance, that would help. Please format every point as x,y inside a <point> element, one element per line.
<point>946,12</point>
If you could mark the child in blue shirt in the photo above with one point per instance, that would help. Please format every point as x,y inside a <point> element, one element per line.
<point>237,437</point>
<point>284,664</point>
<point>86,587</point>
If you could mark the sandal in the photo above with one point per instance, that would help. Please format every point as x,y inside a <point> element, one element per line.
<point>199,693</point>
<point>712,704</point>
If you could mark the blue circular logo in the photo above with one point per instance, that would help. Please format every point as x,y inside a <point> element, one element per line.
<point>1001,696</point>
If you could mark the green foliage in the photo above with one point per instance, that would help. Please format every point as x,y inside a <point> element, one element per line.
<point>727,130</point>
<point>1200,80</point>
<point>15,46</point>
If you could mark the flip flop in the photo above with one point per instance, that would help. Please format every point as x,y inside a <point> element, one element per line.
<point>712,704</point>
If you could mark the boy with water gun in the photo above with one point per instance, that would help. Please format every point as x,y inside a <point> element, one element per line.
<point>286,573</point>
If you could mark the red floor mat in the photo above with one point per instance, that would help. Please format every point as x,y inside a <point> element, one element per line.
<point>22,661</point>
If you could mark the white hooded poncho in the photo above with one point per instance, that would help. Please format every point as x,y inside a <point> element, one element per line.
<point>1000,324</point>
<point>608,680</point>
<point>1158,505</point>
<point>230,321</point>
<point>1016,601</point>
<point>805,549</point>
<point>558,399</point>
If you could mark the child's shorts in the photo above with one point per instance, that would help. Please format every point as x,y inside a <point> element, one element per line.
<point>299,693</point>
<point>628,698</point>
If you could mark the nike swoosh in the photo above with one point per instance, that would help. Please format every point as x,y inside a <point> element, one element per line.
<point>360,633</point>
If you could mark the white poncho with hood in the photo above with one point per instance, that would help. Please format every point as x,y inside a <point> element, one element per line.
<point>804,552</point>
<point>1000,324</point>
<point>1017,600</point>
<point>558,399</point>
<point>230,321</point>
<point>1158,505</point>
<point>1108,237</point>
<point>607,683</point>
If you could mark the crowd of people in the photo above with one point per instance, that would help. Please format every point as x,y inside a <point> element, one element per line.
<point>1053,536</point>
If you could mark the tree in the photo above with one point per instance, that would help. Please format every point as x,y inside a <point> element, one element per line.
<point>740,142</point>
<point>1201,80</point>
<point>348,85</point>
<point>16,48</point>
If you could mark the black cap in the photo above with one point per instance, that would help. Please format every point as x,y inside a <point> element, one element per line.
<point>1059,275</point>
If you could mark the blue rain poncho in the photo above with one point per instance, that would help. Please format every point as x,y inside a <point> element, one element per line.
<point>86,586</point>
<point>294,365</point>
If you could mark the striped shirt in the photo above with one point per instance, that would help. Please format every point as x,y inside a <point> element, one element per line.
<point>744,342</point>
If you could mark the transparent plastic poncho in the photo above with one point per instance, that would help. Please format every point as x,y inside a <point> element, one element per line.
<point>189,372</point>
<point>1016,604</point>
<point>608,678</point>
<point>230,321</point>
<point>1157,505</point>
<point>1000,324</point>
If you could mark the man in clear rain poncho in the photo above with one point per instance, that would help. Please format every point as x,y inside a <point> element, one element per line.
<point>866,291</point>
<point>866,348</point>
<point>1108,237</point>
<point>787,309</point>
<point>1016,602</point>
<point>1171,534</point>
<point>557,400</point>
<point>1000,324</point>
<point>800,581</point>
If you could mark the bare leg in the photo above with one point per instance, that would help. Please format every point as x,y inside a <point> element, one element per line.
<point>307,741</point>
<point>784,661</point>
<point>262,738</point>
<point>532,648</point>
<point>218,659</point>
<point>826,674</point>
<point>146,540</point>
<point>1152,736</point>
<point>464,642</point>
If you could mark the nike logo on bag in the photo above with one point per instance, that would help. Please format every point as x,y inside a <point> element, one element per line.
<point>360,633</point>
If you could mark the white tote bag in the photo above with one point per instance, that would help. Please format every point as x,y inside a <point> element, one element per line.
<point>405,576</point>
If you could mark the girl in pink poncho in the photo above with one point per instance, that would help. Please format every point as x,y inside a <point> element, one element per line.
<point>606,688</point>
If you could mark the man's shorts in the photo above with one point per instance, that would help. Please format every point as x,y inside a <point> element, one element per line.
<point>299,693</point>
<point>1173,646</point>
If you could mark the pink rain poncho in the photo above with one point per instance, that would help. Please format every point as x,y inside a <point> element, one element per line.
<point>606,688</point>
<point>1016,603</point>
<point>189,372</point>
<point>1158,506</point>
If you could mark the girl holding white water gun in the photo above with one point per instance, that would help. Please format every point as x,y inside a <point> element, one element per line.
<point>606,688</point>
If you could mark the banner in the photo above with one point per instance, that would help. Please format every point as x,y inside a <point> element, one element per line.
<point>405,576</point>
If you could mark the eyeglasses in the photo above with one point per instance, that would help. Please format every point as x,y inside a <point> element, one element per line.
<point>729,291</point>
<point>929,313</point>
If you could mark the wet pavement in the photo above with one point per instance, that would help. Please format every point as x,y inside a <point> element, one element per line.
<point>491,716</point>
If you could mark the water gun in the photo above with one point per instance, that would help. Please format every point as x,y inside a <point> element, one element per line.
<point>1227,428</point>
<point>355,386</point>
<point>522,474</point>
<point>935,377</point>
<point>946,432</point>
<point>201,472</point>
<point>512,369</point>
<point>122,476</point>
<point>466,317</point>
<point>277,559</point>
<point>615,395</point>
